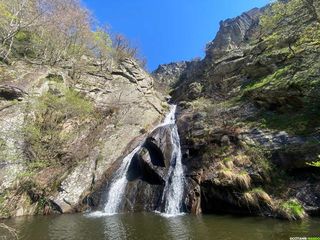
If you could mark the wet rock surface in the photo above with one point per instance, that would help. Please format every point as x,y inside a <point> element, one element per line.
<point>148,171</point>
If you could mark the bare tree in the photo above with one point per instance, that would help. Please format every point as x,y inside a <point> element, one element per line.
<point>64,32</point>
<point>56,31</point>
<point>15,16</point>
<point>123,48</point>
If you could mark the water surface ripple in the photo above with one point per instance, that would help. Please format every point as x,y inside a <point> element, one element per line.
<point>148,226</point>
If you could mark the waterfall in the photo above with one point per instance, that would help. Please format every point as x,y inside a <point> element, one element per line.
<point>118,186</point>
<point>173,191</point>
<point>174,188</point>
<point>170,119</point>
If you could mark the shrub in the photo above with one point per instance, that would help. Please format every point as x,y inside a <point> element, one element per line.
<point>123,48</point>
<point>260,157</point>
<point>292,209</point>
<point>43,127</point>
<point>278,15</point>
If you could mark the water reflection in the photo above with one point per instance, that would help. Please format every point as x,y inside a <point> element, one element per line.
<point>114,228</point>
<point>153,226</point>
<point>178,227</point>
<point>63,227</point>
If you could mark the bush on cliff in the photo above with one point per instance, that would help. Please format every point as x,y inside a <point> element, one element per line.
<point>44,126</point>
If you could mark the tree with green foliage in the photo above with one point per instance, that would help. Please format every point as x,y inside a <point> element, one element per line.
<point>102,47</point>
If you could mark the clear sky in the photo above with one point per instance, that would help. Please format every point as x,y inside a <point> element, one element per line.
<point>168,30</point>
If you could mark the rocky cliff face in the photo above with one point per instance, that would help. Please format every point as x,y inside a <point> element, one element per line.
<point>63,132</point>
<point>223,61</point>
<point>169,74</point>
<point>248,118</point>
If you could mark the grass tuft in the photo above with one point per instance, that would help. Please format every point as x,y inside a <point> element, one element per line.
<point>241,180</point>
<point>292,210</point>
<point>258,197</point>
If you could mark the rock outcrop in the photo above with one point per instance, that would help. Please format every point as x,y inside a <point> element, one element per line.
<point>148,172</point>
<point>231,36</point>
<point>122,106</point>
<point>169,74</point>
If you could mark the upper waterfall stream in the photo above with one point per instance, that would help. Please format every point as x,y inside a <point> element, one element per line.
<point>174,186</point>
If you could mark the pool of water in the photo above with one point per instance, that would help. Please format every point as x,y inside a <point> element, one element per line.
<point>153,226</point>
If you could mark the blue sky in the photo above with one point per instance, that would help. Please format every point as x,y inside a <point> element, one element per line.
<point>168,30</point>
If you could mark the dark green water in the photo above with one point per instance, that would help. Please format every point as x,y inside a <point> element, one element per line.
<point>152,226</point>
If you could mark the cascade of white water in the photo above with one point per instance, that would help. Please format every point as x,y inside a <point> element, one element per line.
<point>118,185</point>
<point>173,192</point>
<point>170,119</point>
<point>174,188</point>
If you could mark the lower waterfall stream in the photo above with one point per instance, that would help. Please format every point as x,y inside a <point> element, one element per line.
<point>118,185</point>
<point>174,186</point>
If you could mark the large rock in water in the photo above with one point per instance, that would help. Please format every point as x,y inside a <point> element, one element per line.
<point>126,105</point>
<point>148,171</point>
